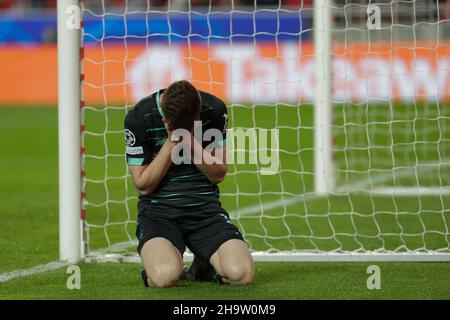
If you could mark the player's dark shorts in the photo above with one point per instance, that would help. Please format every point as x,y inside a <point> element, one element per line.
<point>203,229</point>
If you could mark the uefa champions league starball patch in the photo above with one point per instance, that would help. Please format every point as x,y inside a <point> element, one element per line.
<point>130,139</point>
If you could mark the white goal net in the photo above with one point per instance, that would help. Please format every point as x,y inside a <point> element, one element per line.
<point>385,154</point>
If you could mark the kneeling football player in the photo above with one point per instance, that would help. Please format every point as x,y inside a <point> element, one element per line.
<point>179,203</point>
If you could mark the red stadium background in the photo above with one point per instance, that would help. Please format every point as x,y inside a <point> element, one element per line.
<point>242,73</point>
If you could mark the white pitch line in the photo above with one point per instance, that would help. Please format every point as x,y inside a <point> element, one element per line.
<point>363,184</point>
<point>5,277</point>
<point>263,206</point>
<point>268,205</point>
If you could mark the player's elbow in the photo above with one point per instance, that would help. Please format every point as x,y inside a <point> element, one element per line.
<point>218,179</point>
<point>145,192</point>
<point>219,175</point>
<point>144,189</point>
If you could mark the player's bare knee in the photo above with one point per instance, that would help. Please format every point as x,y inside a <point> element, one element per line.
<point>249,273</point>
<point>166,275</point>
<point>163,283</point>
<point>239,274</point>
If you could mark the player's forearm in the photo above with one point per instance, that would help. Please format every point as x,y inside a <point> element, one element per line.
<point>214,172</point>
<point>156,170</point>
<point>211,166</point>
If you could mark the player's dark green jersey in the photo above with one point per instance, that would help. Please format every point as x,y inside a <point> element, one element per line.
<point>184,185</point>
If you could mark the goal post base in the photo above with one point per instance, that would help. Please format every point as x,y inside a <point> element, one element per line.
<point>299,257</point>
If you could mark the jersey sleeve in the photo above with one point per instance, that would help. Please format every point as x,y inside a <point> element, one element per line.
<point>138,148</point>
<point>220,121</point>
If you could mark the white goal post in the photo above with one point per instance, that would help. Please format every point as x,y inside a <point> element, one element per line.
<point>373,182</point>
<point>69,120</point>
<point>323,158</point>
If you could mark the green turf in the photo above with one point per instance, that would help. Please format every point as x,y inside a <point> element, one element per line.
<point>29,210</point>
<point>28,188</point>
<point>273,281</point>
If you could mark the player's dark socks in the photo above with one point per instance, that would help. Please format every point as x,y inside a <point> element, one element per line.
<point>201,271</point>
<point>187,274</point>
<point>207,273</point>
<point>217,278</point>
<point>144,277</point>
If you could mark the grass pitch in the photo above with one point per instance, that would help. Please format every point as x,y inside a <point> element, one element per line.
<point>29,212</point>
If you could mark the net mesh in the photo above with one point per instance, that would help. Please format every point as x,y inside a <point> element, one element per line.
<point>390,118</point>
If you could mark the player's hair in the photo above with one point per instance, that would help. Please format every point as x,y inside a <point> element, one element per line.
<point>181,104</point>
